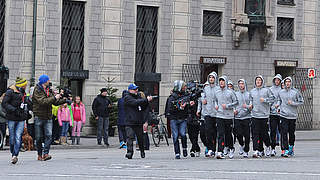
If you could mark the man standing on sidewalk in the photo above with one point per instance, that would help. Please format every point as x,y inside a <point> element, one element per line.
<point>289,100</point>
<point>43,99</point>
<point>100,107</point>
<point>274,115</point>
<point>135,106</point>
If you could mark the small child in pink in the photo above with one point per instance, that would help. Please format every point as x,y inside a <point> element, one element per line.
<point>79,118</point>
<point>64,119</point>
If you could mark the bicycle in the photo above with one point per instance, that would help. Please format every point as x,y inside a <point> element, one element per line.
<point>158,130</point>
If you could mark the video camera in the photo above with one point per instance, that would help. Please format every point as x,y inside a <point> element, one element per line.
<point>66,93</point>
<point>193,93</point>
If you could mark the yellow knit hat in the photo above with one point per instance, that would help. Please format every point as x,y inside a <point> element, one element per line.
<point>20,82</point>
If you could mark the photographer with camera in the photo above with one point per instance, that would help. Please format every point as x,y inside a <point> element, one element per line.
<point>178,111</point>
<point>17,109</point>
<point>193,123</point>
<point>43,99</point>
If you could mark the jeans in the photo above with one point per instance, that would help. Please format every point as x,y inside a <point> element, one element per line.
<point>65,128</point>
<point>178,128</point>
<point>122,133</point>
<point>43,129</point>
<point>103,124</point>
<point>15,135</point>
<point>76,128</point>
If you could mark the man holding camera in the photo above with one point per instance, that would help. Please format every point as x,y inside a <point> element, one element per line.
<point>178,111</point>
<point>135,121</point>
<point>43,99</point>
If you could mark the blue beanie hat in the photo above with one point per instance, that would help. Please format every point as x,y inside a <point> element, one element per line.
<point>43,79</point>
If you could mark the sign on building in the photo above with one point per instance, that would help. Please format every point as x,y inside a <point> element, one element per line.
<point>311,73</point>
<point>284,63</point>
<point>213,60</point>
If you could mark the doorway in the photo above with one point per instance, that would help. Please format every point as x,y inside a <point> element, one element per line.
<point>285,71</point>
<point>207,69</point>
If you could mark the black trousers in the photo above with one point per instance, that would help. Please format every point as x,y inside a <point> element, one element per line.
<point>131,132</point>
<point>274,126</point>
<point>260,133</point>
<point>288,126</point>
<point>55,130</point>
<point>203,135</point>
<point>243,132</point>
<point>193,132</point>
<point>211,132</point>
<point>224,128</point>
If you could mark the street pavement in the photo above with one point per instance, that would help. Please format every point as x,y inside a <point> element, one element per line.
<point>89,161</point>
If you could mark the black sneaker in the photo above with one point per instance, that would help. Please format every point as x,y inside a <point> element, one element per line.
<point>99,143</point>
<point>143,154</point>
<point>185,153</point>
<point>129,155</point>
<point>192,154</point>
<point>177,156</point>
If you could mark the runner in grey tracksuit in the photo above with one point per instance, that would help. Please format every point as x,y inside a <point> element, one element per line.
<point>225,102</point>
<point>274,122</point>
<point>260,100</point>
<point>210,118</point>
<point>289,100</point>
<point>243,117</point>
<point>202,112</point>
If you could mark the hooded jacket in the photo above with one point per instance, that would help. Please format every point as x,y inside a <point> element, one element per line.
<point>11,103</point>
<point>225,96</point>
<point>209,95</point>
<point>261,109</point>
<point>275,91</point>
<point>243,98</point>
<point>289,111</point>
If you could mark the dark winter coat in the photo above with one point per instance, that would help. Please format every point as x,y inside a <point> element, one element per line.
<point>100,106</point>
<point>174,112</point>
<point>121,112</point>
<point>135,109</point>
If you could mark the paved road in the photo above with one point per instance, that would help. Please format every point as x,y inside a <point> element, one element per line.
<point>160,164</point>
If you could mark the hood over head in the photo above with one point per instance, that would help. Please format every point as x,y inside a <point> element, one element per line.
<point>278,76</point>
<point>214,74</point>
<point>225,78</point>
<point>245,84</point>
<point>259,76</point>
<point>288,78</point>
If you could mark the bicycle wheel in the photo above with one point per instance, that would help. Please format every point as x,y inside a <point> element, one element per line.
<point>155,135</point>
<point>165,132</point>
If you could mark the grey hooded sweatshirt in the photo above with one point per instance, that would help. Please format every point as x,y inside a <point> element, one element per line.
<point>289,111</point>
<point>209,95</point>
<point>261,109</point>
<point>228,97</point>
<point>243,98</point>
<point>275,91</point>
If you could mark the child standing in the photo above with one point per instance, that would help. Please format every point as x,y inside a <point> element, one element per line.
<point>79,117</point>
<point>64,119</point>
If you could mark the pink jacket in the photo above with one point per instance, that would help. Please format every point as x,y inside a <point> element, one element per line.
<point>82,112</point>
<point>64,115</point>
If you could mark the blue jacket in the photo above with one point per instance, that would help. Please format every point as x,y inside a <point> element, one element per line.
<point>121,112</point>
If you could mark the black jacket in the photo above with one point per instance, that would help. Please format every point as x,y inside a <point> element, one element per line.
<point>135,108</point>
<point>100,106</point>
<point>173,111</point>
<point>11,103</point>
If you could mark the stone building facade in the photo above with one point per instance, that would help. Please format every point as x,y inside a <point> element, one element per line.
<point>189,37</point>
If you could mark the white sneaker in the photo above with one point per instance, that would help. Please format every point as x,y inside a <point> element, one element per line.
<point>197,154</point>
<point>241,151</point>
<point>211,154</point>
<point>226,151</point>
<point>245,154</point>
<point>273,152</point>
<point>268,151</point>
<point>231,153</point>
<point>261,153</point>
<point>256,154</point>
<point>220,155</point>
